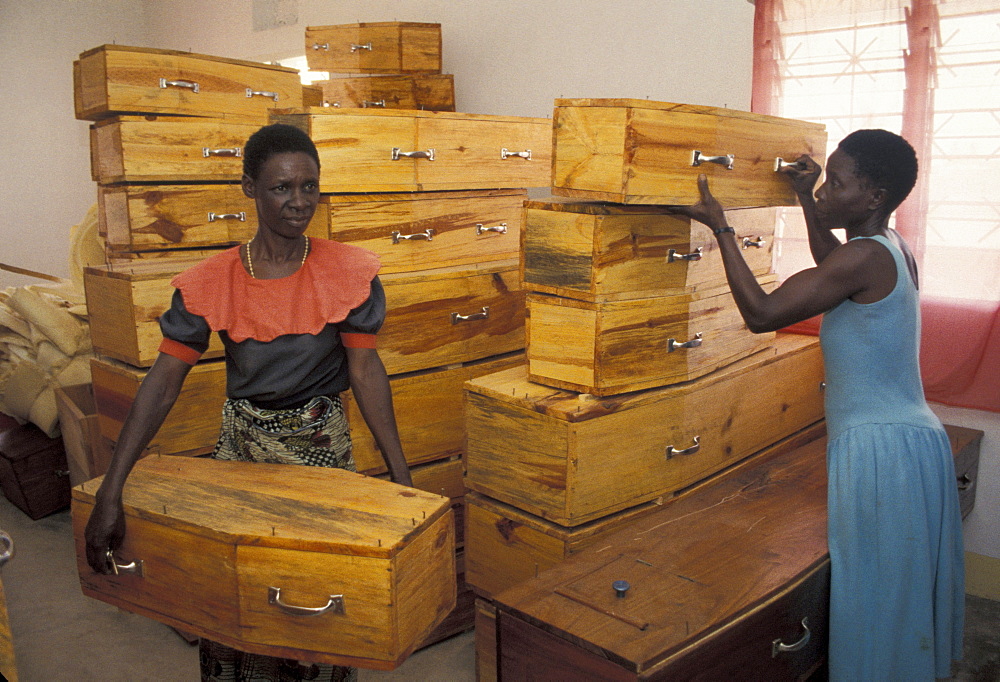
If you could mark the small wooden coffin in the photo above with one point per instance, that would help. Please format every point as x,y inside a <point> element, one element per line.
<point>728,582</point>
<point>80,432</point>
<point>301,562</point>
<point>374,150</point>
<point>633,151</point>
<point>167,149</point>
<point>124,303</point>
<point>425,230</point>
<point>192,425</point>
<point>549,452</point>
<point>429,409</point>
<point>604,252</point>
<point>158,217</point>
<point>34,474</point>
<point>628,345</point>
<point>392,47</point>
<point>446,316</point>
<point>965,444</point>
<point>432,92</point>
<point>115,79</point>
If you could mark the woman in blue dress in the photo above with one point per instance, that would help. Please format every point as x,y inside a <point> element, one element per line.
<point>895,535</point>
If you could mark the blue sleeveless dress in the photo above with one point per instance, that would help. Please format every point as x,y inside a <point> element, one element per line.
<point>895,530</point>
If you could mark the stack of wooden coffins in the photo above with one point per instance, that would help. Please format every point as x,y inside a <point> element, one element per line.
<point>641,379</point>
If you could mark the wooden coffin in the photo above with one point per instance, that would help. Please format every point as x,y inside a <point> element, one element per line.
<point>391,47</point>
<point>604,252</point>
<point>115,79</point>
<point>375,150</point>
<point>446,316</point>
<point>432,92</point>
<point>548,451</point>
<point>192,425</point>
<point>633,151</point>
<point>445,478</point>
<point>739,591</point>
<point>158,217</point>
<point>167,149</point>
<point>124,303</point>
<point>632,344</point>
<point>425,230</point>
<point>34,475</point>
<point>429,409</point>
<point>80,432</point>
<point>250,555</point>
<point>965,444</point>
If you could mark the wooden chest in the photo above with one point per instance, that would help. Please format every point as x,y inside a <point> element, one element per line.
<point>445,316</point>
<point>429,410</point>
<point>163,217</point>
<point>253,556</point>
<point>167,149</point>
<point>548,452</point>
<point>34,474</point>
<point>391,47</point>
<point>115,79</point>
<point>631,344</point>
<point>426,230</point>
<point>633,151</point>
<point>124,303</point>
<point>192,425</point>
<point>432,92</point>
<point>728,582</point>
<point>374,150</point>
<point>603,252</point>
<point>966,444</point>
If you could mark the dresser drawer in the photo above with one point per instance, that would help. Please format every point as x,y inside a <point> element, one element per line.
<point>451,315</point>
<point>390,47</point>
<point>643,152</point>
<point>431,92</point>
<point>426,230</point>
<point>115,79</point>
<point>167,149</point>
<point>374,150</point>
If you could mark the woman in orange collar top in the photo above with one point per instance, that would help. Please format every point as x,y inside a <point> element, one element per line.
<point>298,318</point>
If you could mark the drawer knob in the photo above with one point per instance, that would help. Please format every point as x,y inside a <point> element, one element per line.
<point>673,255</point>
<point>263,93</point>
<point>397,154</point>
<point>355,47</point>
<point>335,604</point>
<point>725,160</point>
<point>500,229</point>
<point>779,647</point>
<point>671,452</point>
<point>506,154</point>
<point>427,234</point>
<point>190,85</point>
<point>780,163</point>
<point>134,567</point>
<point>228,151</point>
<point>213,216</point>
<point>674,344</point>
<point>481,315</point>
<point>758,243</point>
<point>620,587</point>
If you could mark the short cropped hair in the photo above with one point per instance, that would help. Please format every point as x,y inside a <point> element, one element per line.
<point>884,159</point>
<point>275,139</point>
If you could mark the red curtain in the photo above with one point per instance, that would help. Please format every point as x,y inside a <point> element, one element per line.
<point>927,70</point>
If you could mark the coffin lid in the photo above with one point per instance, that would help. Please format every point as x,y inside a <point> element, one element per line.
<point>687,109</point>
<point>181,53</point>
<point>401,113</point>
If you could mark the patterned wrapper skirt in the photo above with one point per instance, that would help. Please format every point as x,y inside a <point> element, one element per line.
<point>315,434</point>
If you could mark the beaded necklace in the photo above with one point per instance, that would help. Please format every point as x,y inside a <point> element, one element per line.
<point>305,253</point>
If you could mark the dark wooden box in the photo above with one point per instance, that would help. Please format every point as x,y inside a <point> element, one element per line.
<point>34,474</point>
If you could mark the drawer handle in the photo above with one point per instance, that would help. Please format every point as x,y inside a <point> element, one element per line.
<point>8,547</point>
<point>965,482</point>
<point>506,154</point>
<point>427,234</point>
<point>725,160</point>
<point>671,452</point>
<point>673,255</point>
<point>321,46</point>
<point>481,315</point>
<point>241,216</point>
<point>335,604</point>
<point>500,229</point>
<point>758,243</point>
<point>229,151</point>
<point>778,647</point>
<point>397,155</point>
<point>134,567</point>
<point>366,46</point>
<point>780,163</point>
<point>190,85</point>
<point>263,93</point>
<point>674,344</point>
<point>365,104</point>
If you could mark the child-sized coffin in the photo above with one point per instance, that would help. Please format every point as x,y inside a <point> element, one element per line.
<point>301,562</point>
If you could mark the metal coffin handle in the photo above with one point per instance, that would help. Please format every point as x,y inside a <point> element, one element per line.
<point>134,567</point>
<point>8,547</point>
<point>227,151</point>
<point>726,160</point>
<point>499,229</point>
<point>759,242</point>
<point>397,154</point>
<point>190,85</point>
<point>321,46</point>
<point>263,93</point>
<point>780,163</point>
<point>398,236</point>
<point>964,482</point>
<point>674,344</point>
<point>778,647</point>
<point>506,154</point>
<point>334,604</point>
<point>213,216</point>
<point>673,255</point>
<point>355,47</point>
<point>672,452</point>
<point>366,104</point>
<point>481,315</point>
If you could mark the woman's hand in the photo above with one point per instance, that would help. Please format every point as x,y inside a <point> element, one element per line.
<point>803,174</point>
<point>708,210</point>
<point>105,530</point>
